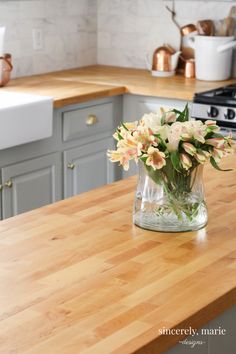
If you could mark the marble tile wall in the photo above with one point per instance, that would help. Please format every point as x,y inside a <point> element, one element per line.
<point>84,32</point>
<point>129,29</point>
<point>69,34</point>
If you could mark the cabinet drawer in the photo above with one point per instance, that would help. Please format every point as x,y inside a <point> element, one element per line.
<point>87,121</point>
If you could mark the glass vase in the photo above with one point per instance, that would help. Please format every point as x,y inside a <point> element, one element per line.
<point>170,201</point>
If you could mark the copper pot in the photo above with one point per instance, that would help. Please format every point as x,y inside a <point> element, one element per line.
<point>5,69</point>
<point>189,71</point>
<point>187,29</point>
<point>165,59</point>
<point>187,52</point>
<point>162,59</point>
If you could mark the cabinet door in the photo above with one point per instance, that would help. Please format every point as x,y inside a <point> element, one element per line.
<point>31,184</point>
<point>87,167</point>
<point>133,170</point>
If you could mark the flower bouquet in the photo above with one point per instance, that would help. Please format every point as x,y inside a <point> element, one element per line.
<point>171,151</point>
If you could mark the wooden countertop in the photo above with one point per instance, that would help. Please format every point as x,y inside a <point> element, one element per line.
<point>78,277</point>
<point>79,85</point>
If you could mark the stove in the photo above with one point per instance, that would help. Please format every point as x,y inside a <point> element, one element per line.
<point>218,104</point>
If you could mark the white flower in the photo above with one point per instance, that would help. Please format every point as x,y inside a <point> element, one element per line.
<point>163,131</point>
<point>174,136</point>
<point>152,121</point>
<point>170,117</point>
<point>194,129</point>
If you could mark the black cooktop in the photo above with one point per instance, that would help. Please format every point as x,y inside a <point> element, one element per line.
<point>222,96</point>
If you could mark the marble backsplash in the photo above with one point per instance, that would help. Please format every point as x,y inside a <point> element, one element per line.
<point>69,34</point>
<point>129,29</point>
<point>83,32</point>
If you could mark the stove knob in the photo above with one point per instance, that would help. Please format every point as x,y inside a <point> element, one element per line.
<point>229,114</point>
<point>212,112</point>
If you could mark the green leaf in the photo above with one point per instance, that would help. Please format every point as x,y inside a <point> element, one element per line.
<point>123,125</point>
<point>163,119</point>
<point>217,135</point>
<point>215,165</point>
<point>186,110</point>
<point>143,158</point>
<point>119,136</point>
<point>184,115</point>
<point>176,111</point>
<point>175,159</point>
<point>162,142</point>
<point>155,175</point>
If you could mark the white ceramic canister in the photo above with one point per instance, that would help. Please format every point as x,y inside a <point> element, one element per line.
<point>213,57</point>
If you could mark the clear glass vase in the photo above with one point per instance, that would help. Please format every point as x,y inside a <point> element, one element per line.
<point>170,201</point>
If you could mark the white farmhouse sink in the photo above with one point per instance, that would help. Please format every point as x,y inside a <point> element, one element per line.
<point>24,118</point>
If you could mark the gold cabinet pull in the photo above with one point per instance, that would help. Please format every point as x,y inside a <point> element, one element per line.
<point>71,165</point>
<point>91,119</point>
<point>8,184</point>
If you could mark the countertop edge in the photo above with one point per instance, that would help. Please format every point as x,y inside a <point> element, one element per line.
<point>198,320</point>
<point>86,83</point>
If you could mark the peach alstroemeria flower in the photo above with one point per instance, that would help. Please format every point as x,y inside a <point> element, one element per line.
<point>119,156</point>
<point>125,129</point>
<point>170,117</point>
<point>185,161</point>
<point>156,158</point>
<point>217,155</point>
<point>200,157</point>
<point>129,146</point>
<point>206,153</point>
<point>194,130</point>
<point>189,148</point>
<point>212,125</point>
<point>145,137</point>
<point>131,125</point>
<point>218,143</point>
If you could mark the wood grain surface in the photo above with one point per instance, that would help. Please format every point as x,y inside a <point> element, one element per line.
<point>92,82</point>
<point>78,277</point>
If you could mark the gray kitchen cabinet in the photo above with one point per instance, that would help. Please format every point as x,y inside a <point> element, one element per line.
<point>31,184</point>
<point>32,174</point>
<point>88,121</point>
<point>87,167</point>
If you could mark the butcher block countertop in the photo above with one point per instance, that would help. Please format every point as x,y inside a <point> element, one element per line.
<point>92,82</point>
<point>78,277</point>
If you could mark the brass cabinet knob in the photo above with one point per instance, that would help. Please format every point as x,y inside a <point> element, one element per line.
<point>8,184</point>
<point>71,166</point>
<point>91,119</point>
